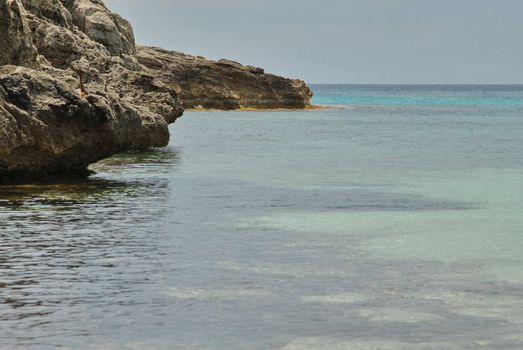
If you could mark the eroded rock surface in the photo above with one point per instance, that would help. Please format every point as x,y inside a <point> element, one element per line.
<point>222,84</point>
<point>50,127</point>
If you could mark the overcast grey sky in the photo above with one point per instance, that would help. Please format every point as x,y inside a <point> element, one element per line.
<point>344,41</point>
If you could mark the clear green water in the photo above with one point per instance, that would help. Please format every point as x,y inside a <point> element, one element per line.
<point>394,222</point>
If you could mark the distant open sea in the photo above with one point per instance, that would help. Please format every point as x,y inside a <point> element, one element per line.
<point>393,221</point>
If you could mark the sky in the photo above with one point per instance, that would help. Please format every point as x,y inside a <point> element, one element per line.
<point>344,41</point>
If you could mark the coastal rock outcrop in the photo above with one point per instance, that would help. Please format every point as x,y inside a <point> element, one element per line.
<point>72,91</point>
<point>223,84</point>
<point>74,88</point>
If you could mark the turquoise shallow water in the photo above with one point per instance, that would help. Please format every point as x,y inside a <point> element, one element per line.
<point>421,95</point>
<point>392,222</point>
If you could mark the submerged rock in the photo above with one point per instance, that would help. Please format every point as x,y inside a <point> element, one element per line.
<point>222,84</point>
<point>75,89</point>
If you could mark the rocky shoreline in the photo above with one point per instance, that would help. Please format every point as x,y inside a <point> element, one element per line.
<point>75,89</point>
<point>224,84</point>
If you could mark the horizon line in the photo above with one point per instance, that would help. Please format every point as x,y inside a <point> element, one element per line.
<point>422,84</point>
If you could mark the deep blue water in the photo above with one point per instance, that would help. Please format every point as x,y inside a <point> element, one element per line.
<point>392,221</point>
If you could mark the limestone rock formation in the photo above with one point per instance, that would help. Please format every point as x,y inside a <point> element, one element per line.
<point>72,91</point>
<point>75,89</point>
<point>222,84</point>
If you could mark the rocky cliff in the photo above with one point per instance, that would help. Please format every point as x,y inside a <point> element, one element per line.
<point>75,89</point>
<point>222,84</point>
<point>72,91</point>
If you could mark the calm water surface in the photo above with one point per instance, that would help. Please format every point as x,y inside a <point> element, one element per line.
<point>394,222</point>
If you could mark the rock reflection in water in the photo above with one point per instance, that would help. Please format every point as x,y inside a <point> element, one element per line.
<point>62,246</point>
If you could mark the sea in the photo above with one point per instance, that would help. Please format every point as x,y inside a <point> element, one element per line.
<point>391,220</point>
